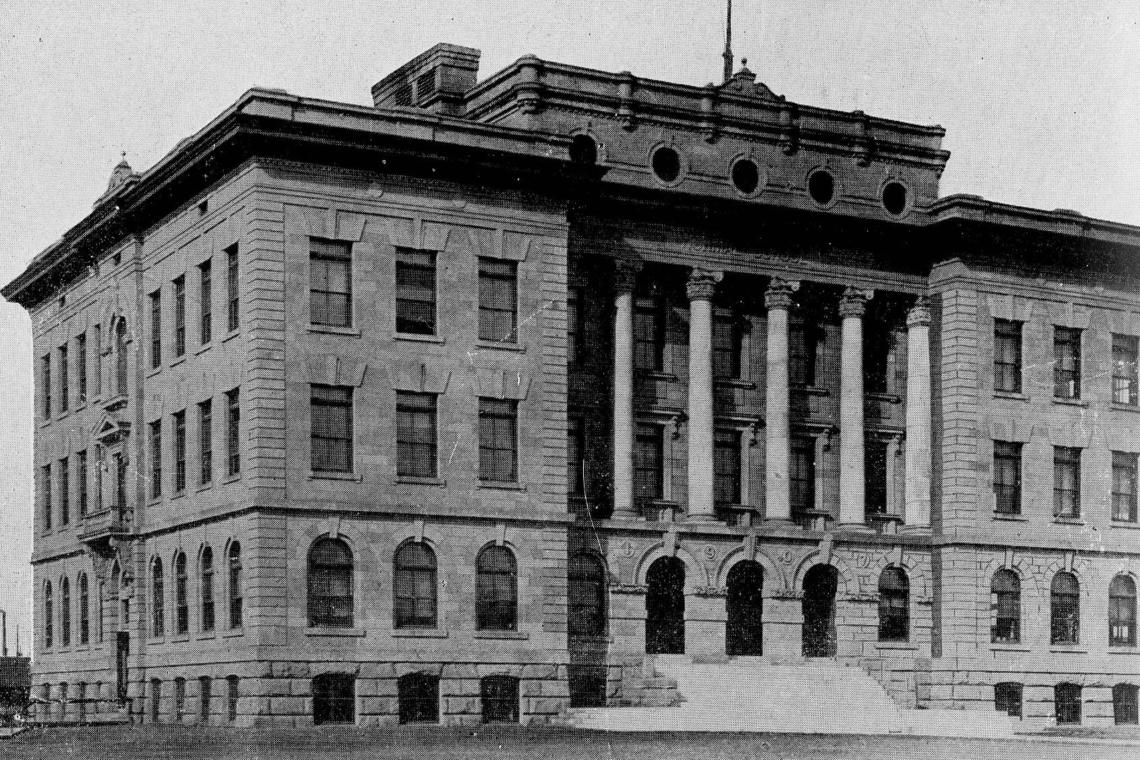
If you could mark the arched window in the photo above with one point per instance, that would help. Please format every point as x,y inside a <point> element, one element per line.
<point>587,606</point>
<point>181,604</point>
<point>1122,612</point>
<point>121,358</point>
<point>65,612</point>
<point>84,615</point>
<point>419,698</point>
<point>235,585</point>
<point>330,584</point>
<point>414,601</point>
<point>1124,704</point>
<point>155,698</point>
<point>49,625</point>
<point>496,590</point>
<point>158,616</point>
<point>207,588</point>
<point>233,693</point>
<point>1067,703</point>
<point>894,605</point>
<point>205,687</point>
<point>500,698</point>
<point>1005,607</point>
<point>179,698</point>
<point>1065,609</point>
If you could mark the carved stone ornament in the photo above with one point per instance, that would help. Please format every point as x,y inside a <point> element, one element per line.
<point>919,314</point>
<point>628,588</point>
<point>779,293</point>
<point>854,302</point>
<point>710,591</point>
<point>702,283</point>
<point>625,275</point>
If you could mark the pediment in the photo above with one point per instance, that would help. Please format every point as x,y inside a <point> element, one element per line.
<point>110,428</point>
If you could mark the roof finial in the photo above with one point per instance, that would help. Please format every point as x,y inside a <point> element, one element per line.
<point>728,44</point>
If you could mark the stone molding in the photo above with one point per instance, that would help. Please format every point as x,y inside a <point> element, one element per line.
<point>701,285</point>
<point>854,302</point>
<point>779,293</point>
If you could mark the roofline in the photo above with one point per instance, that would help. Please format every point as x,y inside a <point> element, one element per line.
<point>976,209</point>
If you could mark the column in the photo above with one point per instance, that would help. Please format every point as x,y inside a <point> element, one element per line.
<point>777,457</point>
<point>918,424</point>
<point>852,484</point>
<point>624,281</point>
<point>701,287</point>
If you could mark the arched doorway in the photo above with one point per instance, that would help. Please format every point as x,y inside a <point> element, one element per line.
<point>744,629</point>
<point>665,607</point>
<point>820,585</point>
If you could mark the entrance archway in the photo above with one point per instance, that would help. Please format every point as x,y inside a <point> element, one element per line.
<point>820,584</point>
<point>665,607</point>
<point>745,625</point>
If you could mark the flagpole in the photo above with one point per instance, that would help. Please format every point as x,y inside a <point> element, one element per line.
<point>728,44</point>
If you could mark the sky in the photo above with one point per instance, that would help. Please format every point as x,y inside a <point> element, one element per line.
<point>1040,100</point>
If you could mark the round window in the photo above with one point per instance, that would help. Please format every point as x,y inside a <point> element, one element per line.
<point>666,164</point>
<point>821,187</point>
<point>746,176</point>
<point>894,198</point>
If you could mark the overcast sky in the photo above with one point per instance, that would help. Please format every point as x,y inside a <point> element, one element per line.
<point>1040,100</point>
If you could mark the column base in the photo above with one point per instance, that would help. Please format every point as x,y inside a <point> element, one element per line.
<point>780,522</point>
<point>626,517</point>
<point>702,518</point>
<point>914,529</point>
<point>856,527</point>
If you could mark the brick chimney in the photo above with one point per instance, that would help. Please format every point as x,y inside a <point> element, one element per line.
<point>435,80</point>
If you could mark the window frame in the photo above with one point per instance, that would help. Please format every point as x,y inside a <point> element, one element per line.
<point>49,616</point>
<point>179,285</point>
<point>495,277</point>
<point>727,344</point>
<point>575,455</point>
<point>84,611</point>
<point>1005,608</point>
<point>1066,467</point>
<point>498,438</point>
<point>65,611</point>
<point>494,609</point>
<point>1122,611</point>
<point>894,605</point>
<point>1067,350</point>
<point>81,481</point>
<point>1009,697</point>
<point>575,324</point>
<point>1125,352</point>
<point>415,574</point>
<point>586,607</point>
<point>649,333</point>
<point>410,263</point>
<point>45,386</point>
<point>234,595</point>
<point>1064,610</point>
<point>155,439</point>
<point>46,486</point>
<point>645,472</point>
<point>156,329</point>
<point>157,599</point>
<point>1008,362</point>
<point>233,294</point>
<point>179,424</point>
<point>206,302</point>
<point>1125,463</point>
<point>1125,699</point>
<point>327,260</point>
<point>418,698</point>
<point>727,483</point>
<point>81,366</point>
<point>1007,459</point>
<point>64,379</point>
<point>205,442</point>
<point>321,607</point>
<point>413,453</point>
<point>207,620</point>
<point>181,599</point>
<point>331,429</point>
<point>64,491</point>
<point>233,432</point>
<point>1072,707</point>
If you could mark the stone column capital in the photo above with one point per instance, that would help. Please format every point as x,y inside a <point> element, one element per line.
<point>853,303</point>
<point>702,283</point>
<point>625,275</point>
<point>779,293</point>
<point>919,314</point>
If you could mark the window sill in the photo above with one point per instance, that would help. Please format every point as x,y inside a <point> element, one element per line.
<point>180,639</point>
<point>419,633</point>
<point>1008,517</point>
<point>890,398</point>
<point>231,335</point>
<point>507,635</point>
<point>1067,649</point>
<point>811,390</point>
<point>896,646</point>
<point>321,475</point>
<point>177,360</point>
<point>734,382</point>
<point>501,345</point>
<point>416,481</point>
<point>233,633</point>
<point>154,501</point>
<point>1124,525</point>
<point>1010,395</point>
<point>351,332</point>
<point>209,636</point>
<point>1125,407</point>
<point>203,487</point>
<point>1011,647</point>
<point>335,632</point>
<point>152,371</point>
<point>178,495</point>
<point>1068,521</point>
<point>203,348</point>
<point>62,414</point>
<point>651,374</point>
<point>498,485</point>
<point>231,478</point>
<point>418,338</point>
<point>45,422</point>
<point>1070,401</point>
<point>1123,649</point>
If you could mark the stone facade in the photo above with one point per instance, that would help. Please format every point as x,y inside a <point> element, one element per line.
<point>775,366</point>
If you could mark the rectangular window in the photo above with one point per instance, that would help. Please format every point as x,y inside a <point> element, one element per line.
<point>802,475</point>
<point>875,476</point>
<point>233,430</point>
<point>498,440</point>
<point>180,451</point>
<point>1007,356</point>
<point>1066,482</point>
<point>415,291</point>
<point>575,455</point>
<point>45,494</point>
<point>330,283</point>
<point>97,375</point>
<point>231,698</point>
<point>64,491</point>
<point>81,366</point>
<point>156,459</point>
<point>64,389</point>
<point>1007,699</point>
<point>1123,487</point>
<point>120,494</point>
<point>803,347</point>
<point>331,410</point>
<point>878,340</point>
<point>232,296</point>
<point>180,316</point>
<point>81,477</point>
<point>45,384</point>
<point>1007,478</point>
<point>1066,362</point>
<point>726,466</point>
<point>498,300</point>
<point>649,334</point>
<point>206,441</point>
<point>416,452</point>
<point>649,462</point>
<point>205,302</point>
<point>1124,350</point>
<point>156,328</point>
<point>727,339</point>
<point>574,323</point>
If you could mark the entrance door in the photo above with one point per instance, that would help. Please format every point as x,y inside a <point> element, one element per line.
<point>122,653</point>
<point>820,584</point>
<point>665,607</point>
<point>745,627</point>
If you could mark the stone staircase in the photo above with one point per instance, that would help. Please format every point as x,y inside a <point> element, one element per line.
<point>814,696</point>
